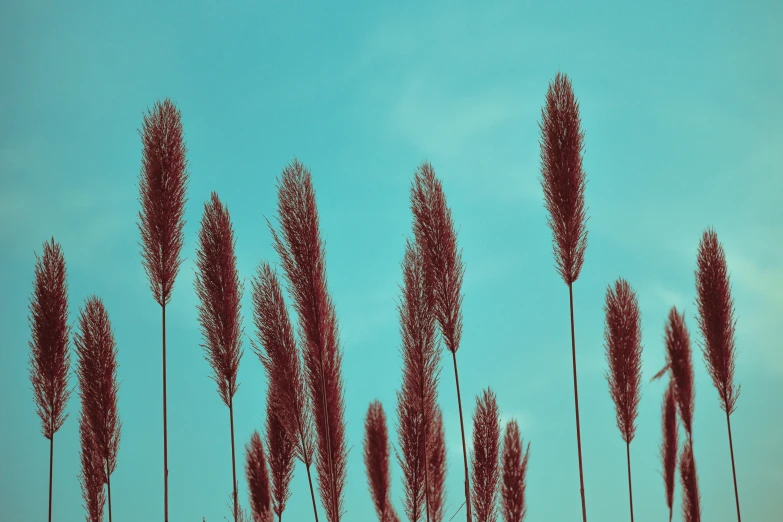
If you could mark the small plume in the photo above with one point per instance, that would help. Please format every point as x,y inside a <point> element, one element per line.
<point>623,334</point>
<point>716,318</point>
<point>678,359</point>
<point>669,444</point>
<point>258,480</point>
<point>485,457</point>
<point>436,462</point>
<point>513,474</point>
<point>302,255</point>
<point>691,510</point>
<point>219,291</point>
<point>562,177</point>
<point>162,186</point>
<point>282,454</point>
<point>376,460</point>
<point>280,357</point>
<point>92,474</point>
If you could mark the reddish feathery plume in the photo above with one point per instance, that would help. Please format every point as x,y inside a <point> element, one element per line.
<point>92,474</point>
<point>669,444</point>
<point>258,480</point>
<point>302,256</point>
<point>49,357</point>
<point>691,509</point>
<point>513,474</point>
<point>623,334</point>
<point>162,186</point>
<point>97,372</point>
<point>485,458</point>
<point>678,359</point>
<point>716,318</point>
<point>436,464</point>
<point>717,322</point>
<point>435,234</point>
<point>220,292</point>
<point>562,177</point>
<point>282,454</point>
<point>376,460</point>
<point>417,401</point>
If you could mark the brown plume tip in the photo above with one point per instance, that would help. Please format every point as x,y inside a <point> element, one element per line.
<point>96,350</point>
<point>162,186</point>
<point>691,500</point>
<point>258,480</point>
<point>513,475</point>
<point>49,357</point>
<point>669,444</point>
<point>282,453</point>
<point>220,292</point>
<point>716,318</point>
<point>92,473</point>
<point>485,457</point>
<point>376,460</point>
<point>678,358</point>
<point>623,338</point>
<point>562,177</point>
<point>302,255</point>
<point>434,231</point>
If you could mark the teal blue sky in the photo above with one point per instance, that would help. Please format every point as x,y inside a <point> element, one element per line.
<point>681,105</point>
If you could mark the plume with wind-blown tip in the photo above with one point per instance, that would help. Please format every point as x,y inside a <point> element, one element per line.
<point>513,474</point>
<point>302,255</point>
<point>563,182</point>
<point>680,365</point>
<point>417,400</point>
<point>669,444</point>
<point>96,350</point>
<point>485,457</point>
<point>376,461</point>
<point>257,481</point>
<point>280,358</point>
<point>436,465</point>
<point>91,477</point>
<point>282,453</point>
<point>220,291</point>
<point>691,500</point>
<point>163,183</point>
<point>717,322</point>
<point>434,230</point>
<point>49,357</point>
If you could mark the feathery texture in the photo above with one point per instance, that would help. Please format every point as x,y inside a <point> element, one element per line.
<point>258,480</point>
<point>513,474</point>
<point>220,292</point>
<point>485,457</point>
<point>97,372</point>
<point>436,463</point>
<point>678,359</point>
<point>716,318</point>
<point>623,334</point>
<point>49,357</point>
<point>417,400</point>
<point>562,177</point>
<point>434,231</point>
<point>280,358</point>
<point>282,454</point>
<point>302,255</point>
<point>691,510</point>
<point>376,460</point>
<point>92,473</point>
<point>669,444</point>
<point>162,185</point>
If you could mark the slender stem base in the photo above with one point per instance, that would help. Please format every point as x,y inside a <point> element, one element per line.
<point>108,488</point>
<point>51,466</point>
<point>630,488</point>
<point>468,505</point>
<point>165,430</point>
<point>312,492</point>
<point>733,469</point>
<point>576,404</point>
<point>233,459</point>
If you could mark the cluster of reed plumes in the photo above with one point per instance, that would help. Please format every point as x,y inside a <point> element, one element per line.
<point>302,359</point>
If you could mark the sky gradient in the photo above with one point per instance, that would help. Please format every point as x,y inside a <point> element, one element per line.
<point>681,107</point>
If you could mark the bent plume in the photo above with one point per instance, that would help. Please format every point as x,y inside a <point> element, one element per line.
<point>485,457</point>
<point>258,480</point>
<point>513,474</point>
<point>376,461</point>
